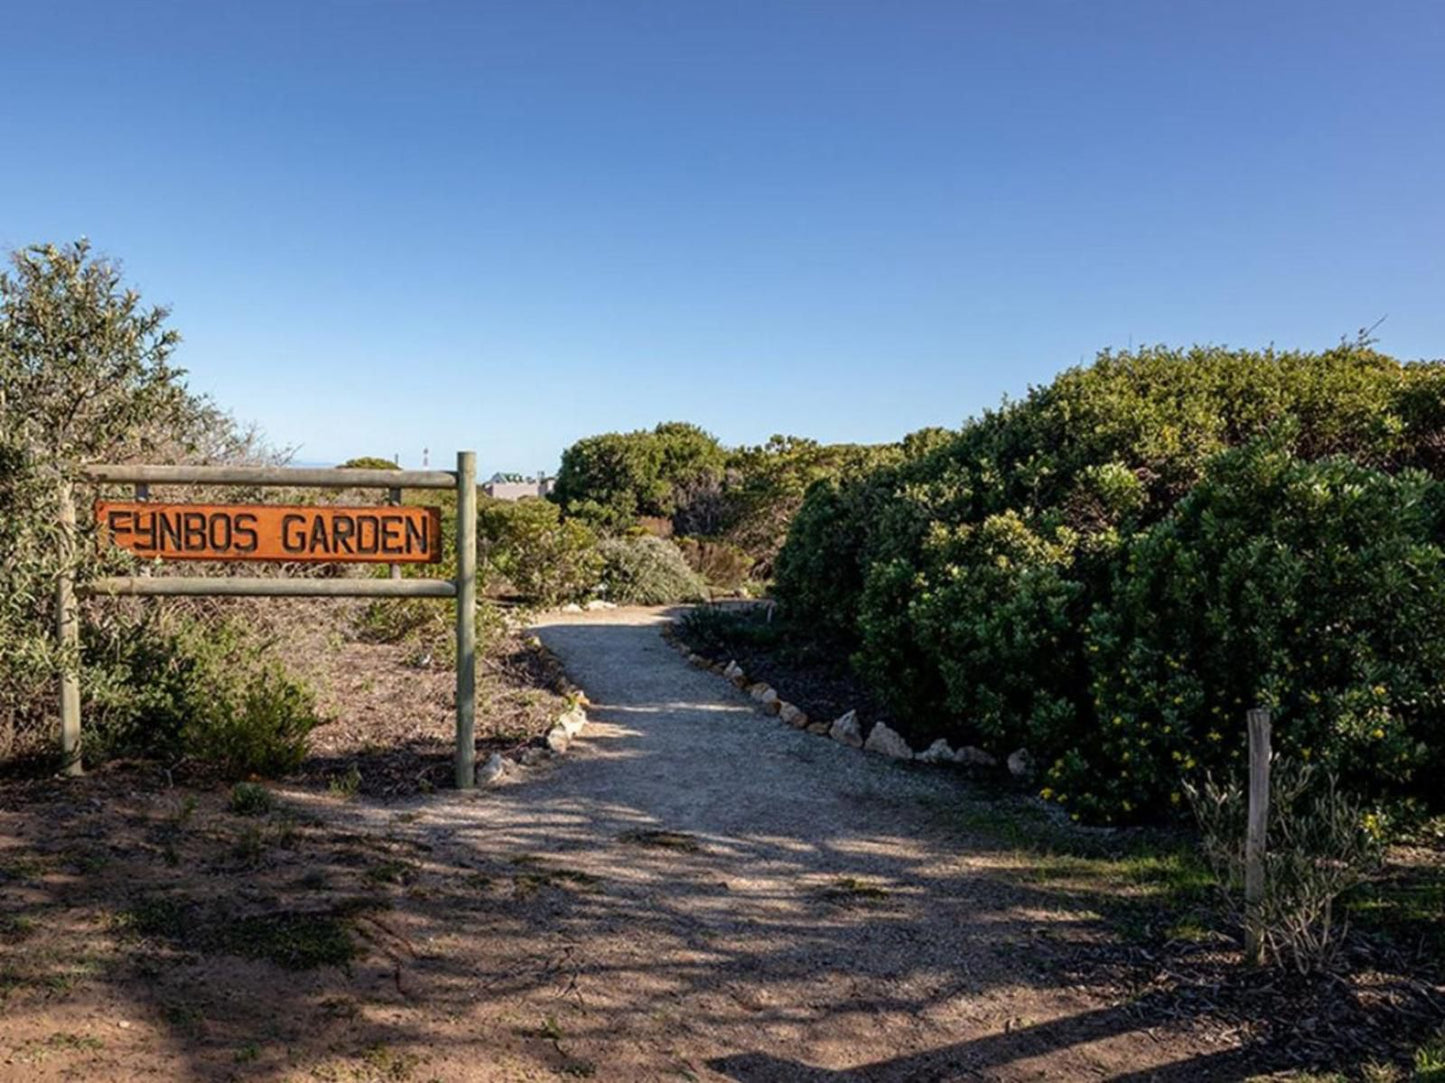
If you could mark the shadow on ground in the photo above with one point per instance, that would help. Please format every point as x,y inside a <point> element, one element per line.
<point>696,892</point>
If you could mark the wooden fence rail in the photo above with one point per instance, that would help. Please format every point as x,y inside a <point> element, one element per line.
<point>463,588</point>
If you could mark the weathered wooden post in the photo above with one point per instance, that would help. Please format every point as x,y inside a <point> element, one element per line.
<point>393,497</point>
<point>67,625</point>
<point>466,751</point>
<point>1256,833</point>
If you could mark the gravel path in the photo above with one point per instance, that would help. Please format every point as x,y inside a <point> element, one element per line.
<point>815,914</point>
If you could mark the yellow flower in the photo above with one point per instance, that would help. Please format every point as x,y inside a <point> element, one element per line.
<point>1189,763</point>
<point>1378,733</point>
<point>1379,690</point>
<point>1177,755</point>
<point>1215,735</point>
<point>1174,798</point>
<point>1118,721</point>
<point>1046,792</point>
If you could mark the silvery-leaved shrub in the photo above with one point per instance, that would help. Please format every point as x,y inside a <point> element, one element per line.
<point>1320,843</point>
<point>646,570</point>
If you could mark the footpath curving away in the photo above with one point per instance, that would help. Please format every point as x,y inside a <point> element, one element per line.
<point>741,900</point>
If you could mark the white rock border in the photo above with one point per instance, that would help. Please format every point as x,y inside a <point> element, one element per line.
<point>554,742</point>
<point>881,739</point>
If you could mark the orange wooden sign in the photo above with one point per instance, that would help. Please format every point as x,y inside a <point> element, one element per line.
<point>381,535</point>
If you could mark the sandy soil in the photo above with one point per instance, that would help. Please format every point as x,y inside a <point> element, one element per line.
<point>694,892</point>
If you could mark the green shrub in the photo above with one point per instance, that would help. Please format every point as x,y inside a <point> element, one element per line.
<point>547,559</point>
<point>1314,589</point>
<point>963,577</point>
<point>611,479</point>
<point>764,487</point>
<point>175,688</point>
<point>647,571</point>
<point>368,462</point>
<point>1320,843</point>
<point>251,799</point>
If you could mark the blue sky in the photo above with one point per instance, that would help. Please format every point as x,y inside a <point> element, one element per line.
<point>384,226</point>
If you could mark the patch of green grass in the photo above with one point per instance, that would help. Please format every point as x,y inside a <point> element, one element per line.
<point>20,870</point>
<point>16,927</point>
<point>184,1018</point>
<point>157,916</point>
<point>35,1051</point>
<point>667,840</point>
<point>296,941</point>
<point>1429,1062</point>
<point>528,883</point>
<point>345,786</point>
<point>76,1042</point>
<point>250,846</point>
<point>385,1063</point>
<point>392,871</point>
<point>1406,910</point>
<point>251,799</point>
<point>88,864</point>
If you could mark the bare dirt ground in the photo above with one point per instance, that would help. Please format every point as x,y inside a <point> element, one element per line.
<point>693,892</point>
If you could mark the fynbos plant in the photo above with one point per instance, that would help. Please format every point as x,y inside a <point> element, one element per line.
<point>1320,843</point>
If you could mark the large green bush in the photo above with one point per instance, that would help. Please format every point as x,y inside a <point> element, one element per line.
<point>963,579</point>
<point>645,570</point>
<point>547,559</point>
<point>612,479</point>
<point>1316,589</point>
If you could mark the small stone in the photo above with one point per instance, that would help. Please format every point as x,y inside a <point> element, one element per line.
<point>740,680</point>
<point>757,689</point>
<point>599,603</point>
<point>887,741</point>
<point>718,667</point>
<point>1020,763</point>
<point>571,607</point>
<point>533,755</point>
<point>793,716</point>
<point>819,727</point>
<point>846,730</point>
<point>732,669</point>
<point>558,738</point>
<point>573,721</point>
<point>493,770</point>
<point>969,756</point>
<point>938,752</point>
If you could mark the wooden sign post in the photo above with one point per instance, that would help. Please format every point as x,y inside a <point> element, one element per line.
<point>392,534</point>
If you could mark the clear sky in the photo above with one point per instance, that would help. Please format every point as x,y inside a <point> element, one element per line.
<point>384,226</point>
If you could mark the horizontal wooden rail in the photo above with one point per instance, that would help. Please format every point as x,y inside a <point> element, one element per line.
<point>308,477</point>
<point>195,587</point>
